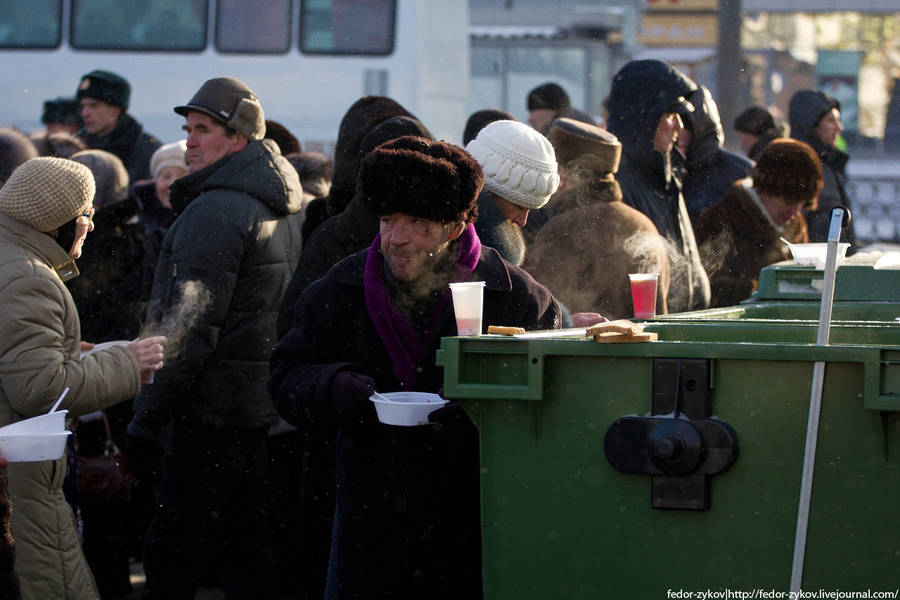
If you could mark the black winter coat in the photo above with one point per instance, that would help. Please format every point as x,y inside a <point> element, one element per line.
<point>807,108</point>
<point>710,170</point>
<point>407,518</point>
<point>338,237</point>
<point>129,142</point>
<point>237,237</point>
<point>643,92</point>
<point>116,265</point>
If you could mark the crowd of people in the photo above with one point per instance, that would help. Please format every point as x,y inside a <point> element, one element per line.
<point>270,291</point>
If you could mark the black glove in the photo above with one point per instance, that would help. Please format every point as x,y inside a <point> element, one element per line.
<point>451,415</point>
<point>350,391</point>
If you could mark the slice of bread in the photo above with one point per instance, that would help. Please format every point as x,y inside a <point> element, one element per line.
<point>623,326</point>
<point>504,330</point>
<point>611,337</point>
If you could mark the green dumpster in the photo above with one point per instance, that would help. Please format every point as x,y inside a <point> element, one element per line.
<point>642,470</point>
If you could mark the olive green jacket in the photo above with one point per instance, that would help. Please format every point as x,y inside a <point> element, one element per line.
<point>40,346</point>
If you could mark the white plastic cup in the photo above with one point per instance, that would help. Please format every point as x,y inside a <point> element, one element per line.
<point>468,299</point>
<point>643,294</point>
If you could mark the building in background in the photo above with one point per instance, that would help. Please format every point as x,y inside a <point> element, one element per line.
<point>517,45</point>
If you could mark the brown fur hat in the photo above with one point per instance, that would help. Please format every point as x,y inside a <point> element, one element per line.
<point>421,178</point>
<point>790,169</point>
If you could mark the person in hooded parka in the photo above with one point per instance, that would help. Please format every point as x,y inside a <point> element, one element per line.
<point>644,105</point>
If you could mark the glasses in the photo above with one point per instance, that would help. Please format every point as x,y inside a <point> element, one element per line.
<point>89,213</point>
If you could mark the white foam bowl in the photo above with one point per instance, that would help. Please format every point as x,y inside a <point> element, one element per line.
<point>54,422</point>
<point>813,255</point>
<point>406,408</point>
<point>30,448</point>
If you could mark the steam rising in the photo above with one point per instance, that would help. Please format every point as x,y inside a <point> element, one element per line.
<point>181,318</point>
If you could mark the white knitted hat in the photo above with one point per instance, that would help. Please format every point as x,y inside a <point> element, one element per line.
<point>47,192</point>
<point>168,155</point>
<point>518,163</point>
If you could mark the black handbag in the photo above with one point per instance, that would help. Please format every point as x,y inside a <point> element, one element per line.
<point>105,477</point>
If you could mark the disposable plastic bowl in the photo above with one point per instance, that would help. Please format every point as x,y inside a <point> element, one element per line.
<point>30,448</point>
<point>406,408</point>
<point>54,422</point>
<point>813,255</point>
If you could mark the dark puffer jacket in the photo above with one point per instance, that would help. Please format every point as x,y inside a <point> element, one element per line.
<point>806,110</point>
<point>710,168</point>
<point>238,237</point>
<point>394,482</point>
<point>642,92</point>
<point>129,142</point>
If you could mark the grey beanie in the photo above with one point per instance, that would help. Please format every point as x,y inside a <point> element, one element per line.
<point>47,192</point>
<point>519,163</point>
<point>110,176</point>
<point>230,102</point>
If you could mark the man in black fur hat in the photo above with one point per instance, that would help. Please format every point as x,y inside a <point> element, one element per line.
<point>407,518</point>
<point>103,97</point>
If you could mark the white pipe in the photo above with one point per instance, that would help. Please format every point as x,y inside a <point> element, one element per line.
<point>815,402</point>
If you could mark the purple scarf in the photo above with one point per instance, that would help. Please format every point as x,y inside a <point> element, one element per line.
<point>401,341</point>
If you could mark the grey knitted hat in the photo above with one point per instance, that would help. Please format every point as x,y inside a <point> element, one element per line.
<point>110,176</point>
<point>47,192</point>
<point>518,162</point>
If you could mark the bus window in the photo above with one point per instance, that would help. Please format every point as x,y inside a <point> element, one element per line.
<point>158,25</point>
<point>347,26</point>
<point>243,26</point>
<point>33,24</point>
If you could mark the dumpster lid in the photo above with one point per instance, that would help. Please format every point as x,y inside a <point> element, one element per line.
<point>864,277</point>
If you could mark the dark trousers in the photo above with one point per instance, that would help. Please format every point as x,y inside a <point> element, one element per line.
<point>211,503</point>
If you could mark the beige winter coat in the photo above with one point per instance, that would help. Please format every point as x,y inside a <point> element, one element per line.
<point>39,357</point>
<point>589,245</point>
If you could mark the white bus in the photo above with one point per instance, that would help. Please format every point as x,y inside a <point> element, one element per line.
<point>307,60</point>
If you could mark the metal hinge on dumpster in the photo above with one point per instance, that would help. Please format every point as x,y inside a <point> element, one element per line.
<point>680,445</point>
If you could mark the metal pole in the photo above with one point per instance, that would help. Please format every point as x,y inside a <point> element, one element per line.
<point>730,78</point>
<point>815,402</point>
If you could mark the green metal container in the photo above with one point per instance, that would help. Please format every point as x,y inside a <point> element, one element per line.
<point>559,520</point>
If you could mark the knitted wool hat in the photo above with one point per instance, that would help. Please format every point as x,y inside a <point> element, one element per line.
<point>47,192</point>
<point>790,169</point>
<point>548,95</point>
<point>230,102</point>
<point>105,86</point>
<point>518,162</point>
<point>421,178</point>
<point>110,176</point>
<point>168,155</point>
<point>573,139</point>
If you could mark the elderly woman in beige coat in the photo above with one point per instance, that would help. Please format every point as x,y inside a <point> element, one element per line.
<point>592,240</point>
<point>45,215</point>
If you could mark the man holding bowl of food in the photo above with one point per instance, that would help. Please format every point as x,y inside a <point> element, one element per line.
<point>407,517</point>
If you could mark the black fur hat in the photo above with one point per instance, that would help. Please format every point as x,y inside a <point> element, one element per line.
<point>421,178</point>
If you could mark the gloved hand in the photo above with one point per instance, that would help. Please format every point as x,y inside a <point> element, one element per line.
<point>350,391</point>
<point>451,414</point>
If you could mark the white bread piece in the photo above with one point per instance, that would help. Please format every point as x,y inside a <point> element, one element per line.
<point>611,337</point>
<point>619,326</point>
<point>504,330</point>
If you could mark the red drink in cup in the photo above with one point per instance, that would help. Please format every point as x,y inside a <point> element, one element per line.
<point>643,294</point>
